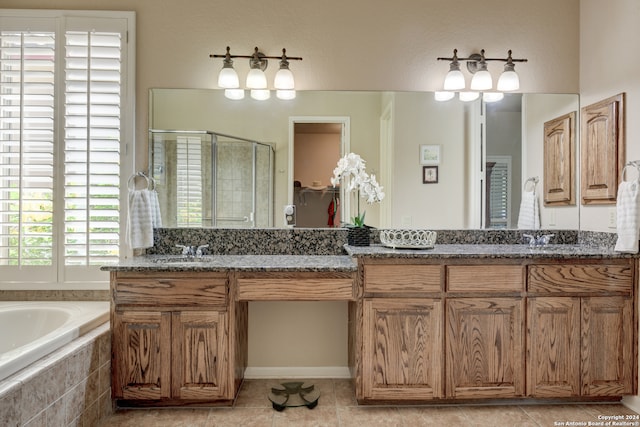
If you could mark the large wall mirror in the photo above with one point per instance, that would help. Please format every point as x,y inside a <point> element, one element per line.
<point>388,130</point>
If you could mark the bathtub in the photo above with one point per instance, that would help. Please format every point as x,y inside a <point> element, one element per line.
<point>31,330</point>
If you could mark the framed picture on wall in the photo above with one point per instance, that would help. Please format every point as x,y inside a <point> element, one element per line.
<point>429,174</point>
<point>429,154</point>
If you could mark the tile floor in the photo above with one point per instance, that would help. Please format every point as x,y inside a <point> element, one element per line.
<point>337,407</point>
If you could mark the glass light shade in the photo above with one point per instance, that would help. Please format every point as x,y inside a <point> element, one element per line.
<point>508,80</point>
<point>228,78</point>
<point>286,94</point>
<point>283,79</point>
<point>481,80</point>
<point>256,79</point>
<point>492,96</point>
<point>234,94</point>
<point>260,94</point>
<point>454,80</point>
<point>468,96</point>
<point>443,95</point>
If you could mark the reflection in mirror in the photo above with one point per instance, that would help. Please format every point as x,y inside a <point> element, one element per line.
<point>208,179</point>
<point>503,162</point>
<point>317,146</point>
<point>387,129</point>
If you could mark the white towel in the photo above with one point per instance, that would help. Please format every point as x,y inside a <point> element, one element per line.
<point>140,222</point>
<point>627,210</point>
<point>529,216</point>
<point>156,218</point>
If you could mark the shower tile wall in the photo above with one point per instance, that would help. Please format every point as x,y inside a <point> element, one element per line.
<point>263,187</point>
<point>235,177</point>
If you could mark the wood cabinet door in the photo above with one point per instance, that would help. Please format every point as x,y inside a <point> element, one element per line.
<point>141,360</point>
<point>602,155</point>
<point>559,154</point>
<point>402,349</point>
<point>199,361</point>
<point>553,347</point>
<point>607,346</point>
<point>485,348</point>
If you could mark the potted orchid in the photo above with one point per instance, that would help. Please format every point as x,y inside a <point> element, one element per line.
<point>351,169</point>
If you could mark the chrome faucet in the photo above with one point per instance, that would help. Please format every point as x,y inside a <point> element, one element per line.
<point>200,250</point>
<point>192,251</point>
<point>537,241</point>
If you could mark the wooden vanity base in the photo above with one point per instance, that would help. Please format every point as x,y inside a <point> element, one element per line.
<point>421,330</point>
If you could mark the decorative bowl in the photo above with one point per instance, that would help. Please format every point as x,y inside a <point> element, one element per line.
<point>408,239</point>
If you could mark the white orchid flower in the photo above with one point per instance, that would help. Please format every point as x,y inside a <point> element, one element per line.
<point>351,168</point>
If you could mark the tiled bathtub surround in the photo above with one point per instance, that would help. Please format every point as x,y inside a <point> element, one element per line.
<point>330,241</point>
<point>69,387</point>
<point>55,295</point>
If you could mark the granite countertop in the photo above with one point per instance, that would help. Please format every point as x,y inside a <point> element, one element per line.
<point>247,263</point>
<point>563,251</point>
<point>348,263</point>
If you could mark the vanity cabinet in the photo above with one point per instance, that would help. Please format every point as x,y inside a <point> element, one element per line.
<point>581,330</point>
<point>485,343</point>
<point>403,348</point>
<point>421,329</point>
<point>403,338</point>
<point>170,337</point>
<point>488,328</point>
<point>141,356</point>
<point>485,331</point>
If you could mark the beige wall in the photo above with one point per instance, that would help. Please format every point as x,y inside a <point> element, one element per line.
<point>609,33</point>
<point>315,156</point>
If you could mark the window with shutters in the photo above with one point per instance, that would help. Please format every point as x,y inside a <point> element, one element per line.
<point>64,119</point>
<point>499,195</point>
<point>189,181</point>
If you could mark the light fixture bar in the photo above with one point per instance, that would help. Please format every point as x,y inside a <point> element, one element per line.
<point>256,80</point>
<point>473,58</point>
<point>290,58</point>
<point>481,80</point>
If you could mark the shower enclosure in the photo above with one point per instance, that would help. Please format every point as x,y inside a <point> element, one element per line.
<point>208,179</point>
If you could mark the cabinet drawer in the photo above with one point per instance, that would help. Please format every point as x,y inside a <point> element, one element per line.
<point>485,278</point>
<point>580,278</point>
<point>295,289</point>
<point>188,289</point>
<point>402,278</point>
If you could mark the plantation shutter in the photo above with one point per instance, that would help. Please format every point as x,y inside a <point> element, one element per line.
<point>500,192</point>
<point>27,64</point>
<point>189,181</point>
<point>65,114</point>
<point>92,147</point>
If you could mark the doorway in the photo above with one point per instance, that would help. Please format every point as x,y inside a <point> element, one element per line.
<point>496,159</point>
<point>315,146</point>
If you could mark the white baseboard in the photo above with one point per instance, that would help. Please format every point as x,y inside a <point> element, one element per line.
<point>259,372</point>
<point>632,402</point>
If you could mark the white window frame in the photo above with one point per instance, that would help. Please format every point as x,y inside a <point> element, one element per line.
<point>89,277</point>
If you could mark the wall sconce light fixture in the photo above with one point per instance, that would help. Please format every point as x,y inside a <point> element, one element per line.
<point>256,80</point>
<point>481,80</point>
